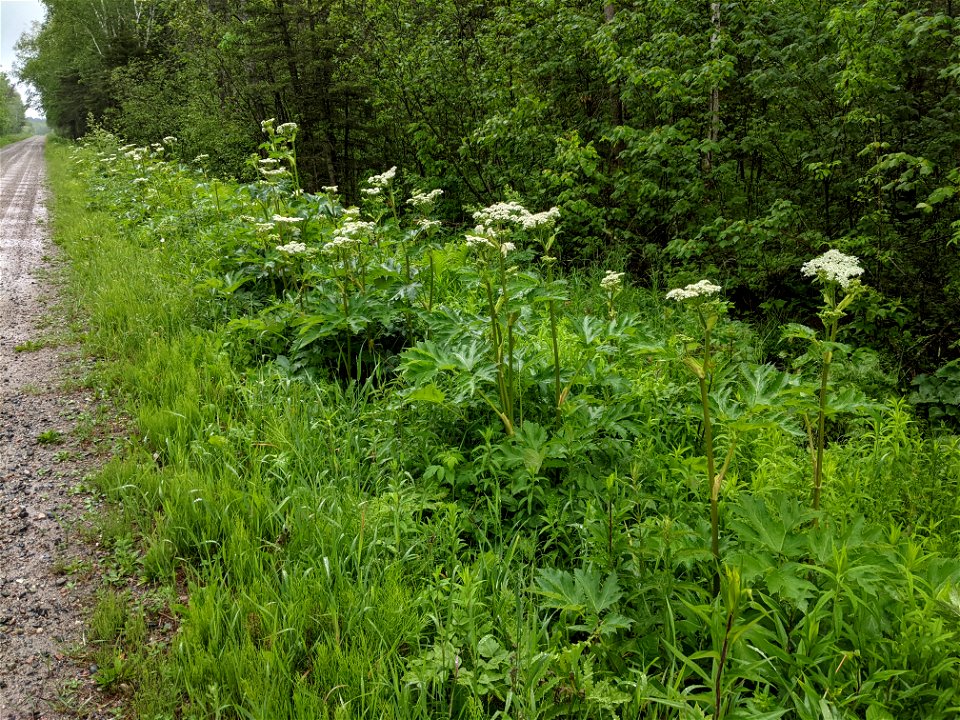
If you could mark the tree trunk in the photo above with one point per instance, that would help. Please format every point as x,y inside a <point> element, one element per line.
<point>713,133</point>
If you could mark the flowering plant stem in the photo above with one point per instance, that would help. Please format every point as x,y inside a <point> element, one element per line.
<point>831,316</point>
<point>708,441</point>
<point>833,269</point>
<point>504,377</point>
<point>552,308</point>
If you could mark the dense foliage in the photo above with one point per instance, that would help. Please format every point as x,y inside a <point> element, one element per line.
<point>13,114</point>
<point>737,138</point>
<point>394,470</point>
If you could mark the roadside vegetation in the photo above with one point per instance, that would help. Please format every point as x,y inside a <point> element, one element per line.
<point>14,124</point>
<point>385,467</point>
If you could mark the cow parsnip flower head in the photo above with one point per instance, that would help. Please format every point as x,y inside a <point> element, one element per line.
<point>340,242</point>
<point>287,129</point>
<point>701,289</point>
<point>547,218</point>
<point>612,281</point>
<point>424,199</point>
<point>293,248</point>
<point>833,266</point>
<point>478,241</point>
<point>356,228</point>
<point>384,178</point>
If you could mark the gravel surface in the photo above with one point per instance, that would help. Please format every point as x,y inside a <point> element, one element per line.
<point>47,445</point>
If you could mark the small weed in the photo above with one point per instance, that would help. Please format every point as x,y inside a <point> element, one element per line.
<point>30,346</point>
<point>50,437</point>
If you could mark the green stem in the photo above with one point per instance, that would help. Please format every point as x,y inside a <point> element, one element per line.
<point>556,347</point>
<point>432,274</point>
<point>821,418</point>
<point>496,343</point>
<point>511,383</point>
<point>346,316</point>
<point>708,450</point>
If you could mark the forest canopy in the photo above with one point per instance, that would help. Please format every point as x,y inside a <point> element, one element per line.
<point>736,139</point>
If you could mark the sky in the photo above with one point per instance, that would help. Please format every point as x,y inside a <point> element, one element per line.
<point>16,16</point>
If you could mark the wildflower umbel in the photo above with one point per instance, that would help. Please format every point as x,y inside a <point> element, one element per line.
<point>704,288</point>
<point>421,199</point>
<point>511,213</point>
<point>833,266</point>
<point>293,248</point>
<point>612,281</point>
<point>285,219</point>
<point>384,178</point>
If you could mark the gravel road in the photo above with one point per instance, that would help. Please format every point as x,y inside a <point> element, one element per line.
<point>45,570</point>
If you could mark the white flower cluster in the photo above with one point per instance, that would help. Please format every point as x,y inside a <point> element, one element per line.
<point>547,218</point>
<point>267,125</point>
<point>357,227</point>
<point>271,167</point>
<point>384,178</point>
<point>507,247</point>
<point>612,281</point>
<point>287,128</point>
<point>284,219</point>
<point>331,189</point>
<point>478,241</point>
<point>426,224</point>
<point>833,266</point>
<point>704,288</point>
<point>350,233</point>
<point>293,248</point>
<point>340,242</point>
<point>201,157</point>
<point>169,140</point>
<point>501,213</point>
<point>371,191</point>
<point>511,213</point>
<point>424,199</point>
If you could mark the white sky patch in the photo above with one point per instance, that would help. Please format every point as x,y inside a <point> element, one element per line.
<point>16,17</point>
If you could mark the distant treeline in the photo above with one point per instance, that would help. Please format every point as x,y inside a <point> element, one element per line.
<point>13,119</point>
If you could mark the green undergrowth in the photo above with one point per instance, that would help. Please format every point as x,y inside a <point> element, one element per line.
<point>379,472</point>
<point>10,139</point>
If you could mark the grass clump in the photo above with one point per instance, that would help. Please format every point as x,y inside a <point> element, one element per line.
<point>392,472</point>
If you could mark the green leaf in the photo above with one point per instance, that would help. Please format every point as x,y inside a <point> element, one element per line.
<point>427,393</point>
<point>878,712</point>
<point>559,590</point>
<point>941,193</point>
<point>598,597</point>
